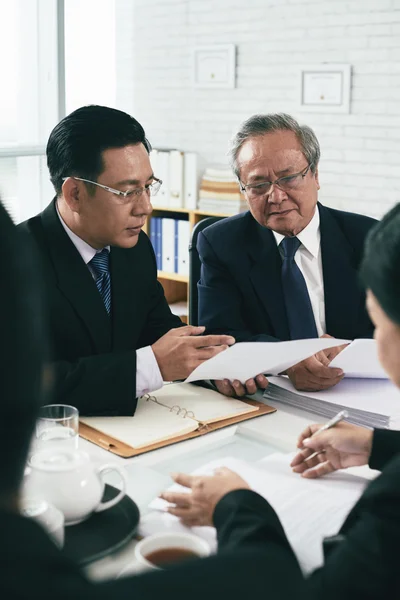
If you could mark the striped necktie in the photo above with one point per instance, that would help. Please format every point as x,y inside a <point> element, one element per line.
<point>297,301</point>
<point>100,266</point>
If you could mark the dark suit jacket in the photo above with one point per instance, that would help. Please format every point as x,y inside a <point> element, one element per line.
<point>254,559</point>
<point>95,355</point>
<point>240,291</point>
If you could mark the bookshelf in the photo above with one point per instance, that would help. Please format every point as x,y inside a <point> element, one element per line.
<point>176,286</point>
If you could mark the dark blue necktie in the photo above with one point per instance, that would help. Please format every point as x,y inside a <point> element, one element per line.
<point>100,266</point>
<point>297,301</point>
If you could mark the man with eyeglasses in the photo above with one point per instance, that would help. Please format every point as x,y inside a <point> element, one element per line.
<point>113,336</point>
<point>287,269</point>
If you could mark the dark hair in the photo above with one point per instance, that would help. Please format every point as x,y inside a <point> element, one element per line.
<point>21,331</point>
<point>380,268</point>
<point>76,144</point>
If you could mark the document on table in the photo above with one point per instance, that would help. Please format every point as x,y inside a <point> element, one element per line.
<point>245,360</point>
<point>370,402</point>
<point>360,359</point>
<point>309,510</point>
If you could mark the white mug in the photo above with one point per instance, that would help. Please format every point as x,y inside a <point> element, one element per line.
<point>72,483</point>
<point>163,541</point>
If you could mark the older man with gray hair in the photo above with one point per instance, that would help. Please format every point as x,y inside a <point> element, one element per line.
<point>287,268</point>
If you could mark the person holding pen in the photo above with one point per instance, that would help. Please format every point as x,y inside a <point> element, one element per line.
<point>362,561</point>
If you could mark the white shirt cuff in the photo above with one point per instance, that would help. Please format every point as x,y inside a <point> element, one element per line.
<point>148,375</point>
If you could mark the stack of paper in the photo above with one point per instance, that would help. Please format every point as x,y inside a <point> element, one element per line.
<point>370,402</point>
<point>309,510</point>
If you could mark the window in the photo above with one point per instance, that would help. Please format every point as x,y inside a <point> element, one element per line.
<point>29,103</point>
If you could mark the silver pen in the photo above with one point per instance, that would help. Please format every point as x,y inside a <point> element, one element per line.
<point>343,414</point>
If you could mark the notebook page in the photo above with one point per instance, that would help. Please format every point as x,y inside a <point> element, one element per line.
<point>150,424</point>
<point>309,510</point>
<point>207,406</point>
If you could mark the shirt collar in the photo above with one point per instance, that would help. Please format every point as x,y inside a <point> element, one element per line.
<point>84,249</point>
<point>310,236</point>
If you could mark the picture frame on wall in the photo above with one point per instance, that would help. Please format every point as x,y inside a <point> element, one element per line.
<point>214,66</point>
<point>325,88</point>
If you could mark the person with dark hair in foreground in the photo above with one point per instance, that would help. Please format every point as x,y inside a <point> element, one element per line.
<point>113,336</point>
<point>363,559</point>
<point>30,564</point>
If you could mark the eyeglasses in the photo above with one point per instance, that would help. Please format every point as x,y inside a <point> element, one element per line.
<point>287,183</point>
<point>151,189</point>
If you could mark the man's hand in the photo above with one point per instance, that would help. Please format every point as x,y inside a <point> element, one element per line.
<point>197,507</point>
<point>331,353</point>
<point>235,388</point>
<point>313,374</point>
<point>342,446</point>
<point>181,350</point>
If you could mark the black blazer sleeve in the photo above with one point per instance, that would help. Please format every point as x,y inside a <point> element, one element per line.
<point>366,563</point>
<point>385,445</point>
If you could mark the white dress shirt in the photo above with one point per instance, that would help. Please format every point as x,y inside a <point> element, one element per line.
<point>308,259</point>
<point>148,376</point>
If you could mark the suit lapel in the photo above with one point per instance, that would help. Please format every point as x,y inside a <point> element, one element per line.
<point>265,276</point>
<point>75,280</point>
<point>343,295</point>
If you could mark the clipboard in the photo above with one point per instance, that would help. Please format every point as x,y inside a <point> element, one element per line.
<point>124,450</point>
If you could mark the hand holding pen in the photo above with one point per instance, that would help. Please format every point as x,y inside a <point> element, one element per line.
<point>335,445</point>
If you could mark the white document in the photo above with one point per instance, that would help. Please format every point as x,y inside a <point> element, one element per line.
<point>360,359</point>
<point>168,245</point>
<point>245,360</point>
<point>371,395</point>
<point>309,510</point>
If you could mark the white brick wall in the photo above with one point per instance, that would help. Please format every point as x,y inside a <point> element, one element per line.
<point>359,168</point>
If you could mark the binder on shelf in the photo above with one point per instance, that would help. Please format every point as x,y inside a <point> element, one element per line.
<point>163,196</point>
<point>175,413</point>
<point>192,178</point>
<point>168,245</point>
<point>153,234</point>
<point>183,247</point>
<point>158,242</point>
<point>175,179</point>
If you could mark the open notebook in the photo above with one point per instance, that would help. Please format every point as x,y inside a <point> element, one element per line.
<point>175,412</point>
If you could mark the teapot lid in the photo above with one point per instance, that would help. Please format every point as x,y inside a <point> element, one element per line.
<point>58,460</point>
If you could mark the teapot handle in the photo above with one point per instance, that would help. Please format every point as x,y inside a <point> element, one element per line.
<point>107,469</point>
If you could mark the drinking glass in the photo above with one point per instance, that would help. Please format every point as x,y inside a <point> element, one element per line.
<point>58,426</point>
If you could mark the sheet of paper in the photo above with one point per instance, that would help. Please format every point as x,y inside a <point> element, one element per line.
<point>360,359</point>
<point>206,406</point>
<point>309,510</point>
<point>245,360</point>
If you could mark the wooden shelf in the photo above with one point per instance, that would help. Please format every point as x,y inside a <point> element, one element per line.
<point>173,276</point>
<point>176,287</point>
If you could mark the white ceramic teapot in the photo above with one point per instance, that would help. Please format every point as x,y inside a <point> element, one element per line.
<point>70,481</point>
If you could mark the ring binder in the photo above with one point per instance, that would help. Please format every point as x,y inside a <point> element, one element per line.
<point>175,421</point>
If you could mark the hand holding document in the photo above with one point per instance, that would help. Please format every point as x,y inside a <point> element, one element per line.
<point>245,360</point>
<point>360,359</point>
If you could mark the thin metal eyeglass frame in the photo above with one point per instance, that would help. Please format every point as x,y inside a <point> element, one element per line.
<point>303,173</point>
<point>136,192</point>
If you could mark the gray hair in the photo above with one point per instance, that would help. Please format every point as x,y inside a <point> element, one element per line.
<point>258,125</point>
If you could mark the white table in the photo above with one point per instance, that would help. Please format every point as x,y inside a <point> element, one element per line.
<point>148,474</point>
